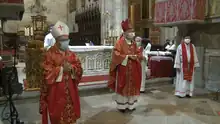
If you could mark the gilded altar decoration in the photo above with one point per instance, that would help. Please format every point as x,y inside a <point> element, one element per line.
<point>34,71</point>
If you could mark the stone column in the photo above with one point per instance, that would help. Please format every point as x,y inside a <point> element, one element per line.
<point>118,10</point>
<point>1,35</point>
<point>182,30</point>
<point>118,15</point>
<point>124,7</point>
<point>150,7</point>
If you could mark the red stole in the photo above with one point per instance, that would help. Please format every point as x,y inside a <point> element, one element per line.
<point>188,69</point>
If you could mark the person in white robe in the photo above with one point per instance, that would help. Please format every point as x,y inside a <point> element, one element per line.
<point>186,61</point>
<point>49,40</point>
<point>145,45</point>
<point>170,46</point>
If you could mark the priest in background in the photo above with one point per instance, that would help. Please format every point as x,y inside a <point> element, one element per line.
<point>145,50</point>
<point>59,99</point>
<point>125,69</point>
<point>186,61</point>
<point>49,39</point>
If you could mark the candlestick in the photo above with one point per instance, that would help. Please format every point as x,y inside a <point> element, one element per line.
<point>25,32</point>
<point>32,31</point>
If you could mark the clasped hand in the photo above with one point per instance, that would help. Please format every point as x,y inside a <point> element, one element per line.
<point>133,57</point>
<point>67,67</point>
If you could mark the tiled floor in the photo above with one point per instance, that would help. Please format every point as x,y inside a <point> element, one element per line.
<point>155,107</point>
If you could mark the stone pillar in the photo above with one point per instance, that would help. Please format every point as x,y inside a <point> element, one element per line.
<point>150,7</point>
<point>124,7</point>
<point>182,30</point>
<point>1,35</point>
<point>118,15</point>
<point>118,11</point>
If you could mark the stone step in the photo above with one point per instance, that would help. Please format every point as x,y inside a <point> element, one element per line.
<point>92,90</point>
<point>158,82</point>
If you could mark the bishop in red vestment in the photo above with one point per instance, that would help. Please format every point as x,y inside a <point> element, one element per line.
<point>59,99</point>
<point>125,69</point>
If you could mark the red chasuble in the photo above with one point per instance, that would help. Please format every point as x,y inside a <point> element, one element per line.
<point>128,77</point>
<point>188,68</point>
<point>60,100</point>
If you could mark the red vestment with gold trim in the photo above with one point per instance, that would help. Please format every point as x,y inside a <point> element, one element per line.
<point>128,77</point>
<point>60,100</point>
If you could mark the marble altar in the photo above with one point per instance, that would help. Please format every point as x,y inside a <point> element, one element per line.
<point>95,62</point>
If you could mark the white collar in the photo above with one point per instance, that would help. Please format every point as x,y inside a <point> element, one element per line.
<point>128,41</point>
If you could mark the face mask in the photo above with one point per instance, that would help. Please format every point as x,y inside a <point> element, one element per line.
<point>187,41</point>
<point>138,44</point>
<point>131,35</point>
<point>64,45</point>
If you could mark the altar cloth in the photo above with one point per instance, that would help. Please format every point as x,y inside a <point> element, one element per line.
<point>161,66</point>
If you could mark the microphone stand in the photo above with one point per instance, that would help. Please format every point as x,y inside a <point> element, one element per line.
<point>13,74</point>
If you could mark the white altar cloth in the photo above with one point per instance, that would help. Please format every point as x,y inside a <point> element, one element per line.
<point>89,48</point>
<point>160,53</point>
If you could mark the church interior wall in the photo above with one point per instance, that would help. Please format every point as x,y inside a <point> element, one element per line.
<point>115,8</point>
<point>206,38</point>
<point>167,33</point>
<point>54,10</point>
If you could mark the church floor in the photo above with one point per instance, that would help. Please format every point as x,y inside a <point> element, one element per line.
<point>156,106</point>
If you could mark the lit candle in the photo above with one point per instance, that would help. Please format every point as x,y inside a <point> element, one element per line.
<point>25,32</point>
<point>28,32</point>
<point>32,31</point>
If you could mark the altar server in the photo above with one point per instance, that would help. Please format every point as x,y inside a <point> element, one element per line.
<point>145,46</point>
<point>170,45</point>
<point>185,63</point>
<point>59,99</point>
<point>49,40</point>
<point>125,69</point>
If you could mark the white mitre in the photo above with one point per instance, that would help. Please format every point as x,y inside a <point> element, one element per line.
<point>60,29</point>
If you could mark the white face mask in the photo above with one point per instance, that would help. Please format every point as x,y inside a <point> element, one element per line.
<point>171,43</point>
<point>64,45</point>
<point>131,35</point>
<point>138,44</point>
<point>187,41</point>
